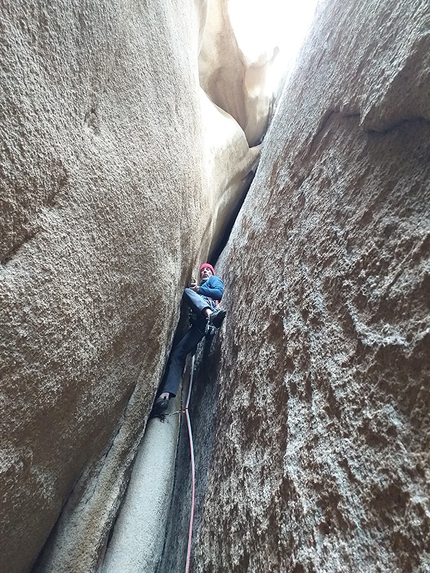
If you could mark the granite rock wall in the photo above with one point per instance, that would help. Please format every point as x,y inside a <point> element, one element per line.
<point>106,205</point>
<point>320,458</point>
<point>233,82</point>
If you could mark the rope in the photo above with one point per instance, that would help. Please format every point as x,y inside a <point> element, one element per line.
<point>193,477</point>
<point>190,436</point>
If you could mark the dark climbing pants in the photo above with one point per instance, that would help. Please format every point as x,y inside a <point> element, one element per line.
<point>187,344</point>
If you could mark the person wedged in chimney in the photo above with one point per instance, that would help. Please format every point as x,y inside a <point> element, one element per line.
<point>203,300</point>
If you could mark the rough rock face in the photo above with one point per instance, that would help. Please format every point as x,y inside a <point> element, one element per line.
<point>106,204</point>
<point>321,450</point>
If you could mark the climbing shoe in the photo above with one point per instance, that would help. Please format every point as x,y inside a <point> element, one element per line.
<point>217,317</point>
<point>160,407</point>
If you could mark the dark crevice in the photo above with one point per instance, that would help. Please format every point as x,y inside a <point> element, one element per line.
<point>222,241</point>
<point>398,124</point>
<point>202,412</point>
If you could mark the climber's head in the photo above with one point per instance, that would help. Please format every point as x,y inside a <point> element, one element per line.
<point>206,271</point>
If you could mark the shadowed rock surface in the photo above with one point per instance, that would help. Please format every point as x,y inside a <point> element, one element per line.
<point>320,459</point>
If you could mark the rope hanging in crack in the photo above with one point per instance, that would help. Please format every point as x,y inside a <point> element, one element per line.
<point>185,411</point>
<point>190,437</point>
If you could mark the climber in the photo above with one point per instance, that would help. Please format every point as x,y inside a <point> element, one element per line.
<point>203,301</point>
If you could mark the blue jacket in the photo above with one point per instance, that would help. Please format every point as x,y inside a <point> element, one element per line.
<point>212,288</point>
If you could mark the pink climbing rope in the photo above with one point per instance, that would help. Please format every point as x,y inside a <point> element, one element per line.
<point>193,473</point>
<point>190,436</point>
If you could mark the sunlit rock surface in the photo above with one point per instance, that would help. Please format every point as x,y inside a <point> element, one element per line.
<point>228,161</point>
<point>107,204</point>
<point>137,538</point>
<point>321,443</point>
<point>235,84</point>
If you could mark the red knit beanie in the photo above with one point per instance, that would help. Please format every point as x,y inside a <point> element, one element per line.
<point>207,266</point>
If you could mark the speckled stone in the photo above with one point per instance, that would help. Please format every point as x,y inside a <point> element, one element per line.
<point>107,203</point>
<point>320,457</point>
